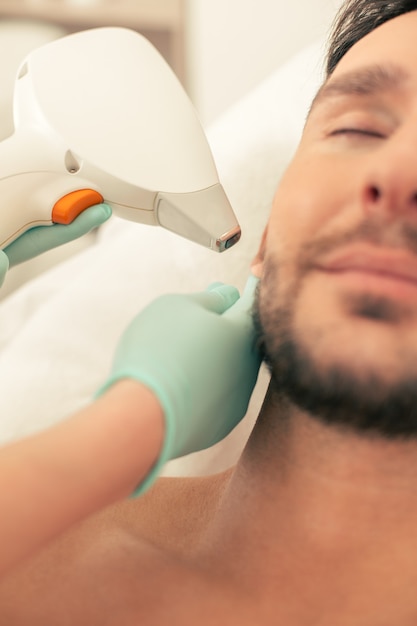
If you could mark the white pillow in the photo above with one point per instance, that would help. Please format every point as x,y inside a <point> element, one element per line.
<point>58,333</point>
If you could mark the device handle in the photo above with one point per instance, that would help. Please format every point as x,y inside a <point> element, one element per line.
<point>33,192</point>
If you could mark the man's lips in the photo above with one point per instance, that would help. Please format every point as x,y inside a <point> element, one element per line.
<point>392,263</point>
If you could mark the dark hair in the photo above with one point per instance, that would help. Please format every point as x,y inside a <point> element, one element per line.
<point>356,19</point>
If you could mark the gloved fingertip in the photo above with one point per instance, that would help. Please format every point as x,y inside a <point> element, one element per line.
<point>93,216</point>
<point>214,286</point>
<point>106,209</point>
<point>90,218</point>
<point>4,266</point>
<point>245,303</point>
<point>228,294</point>
<point>101,211</point>
<point>250,287</point>
<point>4,259</point>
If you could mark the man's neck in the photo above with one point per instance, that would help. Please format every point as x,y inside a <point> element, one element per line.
<point>324,515</point>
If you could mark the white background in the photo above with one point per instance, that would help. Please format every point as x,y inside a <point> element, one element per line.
<point>233,44</point>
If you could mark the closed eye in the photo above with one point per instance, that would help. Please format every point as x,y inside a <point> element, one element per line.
<point>357,131</point>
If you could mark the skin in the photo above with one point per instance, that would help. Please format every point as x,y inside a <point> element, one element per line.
<point>316,524</point>
<point>49,479</point>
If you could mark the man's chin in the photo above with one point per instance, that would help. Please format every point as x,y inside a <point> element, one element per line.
<point>346,362</point>
<point>368,339</point>
<point>365,402</point>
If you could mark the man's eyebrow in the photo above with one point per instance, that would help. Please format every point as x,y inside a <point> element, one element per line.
<point>366,81</point>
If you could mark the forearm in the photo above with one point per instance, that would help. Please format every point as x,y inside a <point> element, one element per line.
<point>52,480</point>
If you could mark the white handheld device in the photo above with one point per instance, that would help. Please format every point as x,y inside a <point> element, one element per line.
<point>99,115</point>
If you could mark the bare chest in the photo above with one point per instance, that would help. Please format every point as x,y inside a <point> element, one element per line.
<point>118,583</point>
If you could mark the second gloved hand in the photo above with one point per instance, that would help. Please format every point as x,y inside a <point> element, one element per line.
<point>197,354</point>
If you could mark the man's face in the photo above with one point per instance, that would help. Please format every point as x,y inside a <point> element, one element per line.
<point>338,298</point>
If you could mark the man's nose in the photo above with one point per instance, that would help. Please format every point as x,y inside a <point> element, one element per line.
<point>389,183</point>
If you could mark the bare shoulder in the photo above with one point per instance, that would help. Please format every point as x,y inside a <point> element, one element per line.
<point>171,515</point>
<point>119,556</point>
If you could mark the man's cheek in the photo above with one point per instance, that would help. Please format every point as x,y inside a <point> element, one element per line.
<point>297,217</point>
<point>318,311</point>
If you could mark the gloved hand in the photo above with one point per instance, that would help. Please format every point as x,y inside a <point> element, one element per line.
<point>197,354</point>
<point>4,266</point>
<point>43,238</point>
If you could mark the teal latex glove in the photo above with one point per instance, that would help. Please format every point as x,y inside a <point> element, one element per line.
<point>42,238</point>
<point>4,266</point>
<point>197,354</point>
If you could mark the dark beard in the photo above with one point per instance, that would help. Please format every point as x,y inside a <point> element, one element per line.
<point>334,394</point>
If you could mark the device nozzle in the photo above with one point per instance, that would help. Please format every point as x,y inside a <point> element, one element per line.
<point>203,216</point>
<point>232,238</point>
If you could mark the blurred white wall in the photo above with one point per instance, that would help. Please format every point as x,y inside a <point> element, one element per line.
<point>18,38</point>
<point>233,44</point>
<point>230,45</point>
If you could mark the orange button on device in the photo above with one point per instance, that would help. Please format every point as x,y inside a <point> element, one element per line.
<point>67,208</point>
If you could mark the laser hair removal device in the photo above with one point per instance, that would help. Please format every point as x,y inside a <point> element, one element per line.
<point>100,116</point>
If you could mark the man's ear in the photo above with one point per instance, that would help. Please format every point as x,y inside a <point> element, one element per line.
<point>257,265</point>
